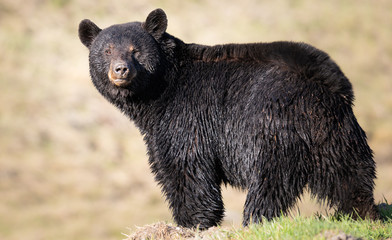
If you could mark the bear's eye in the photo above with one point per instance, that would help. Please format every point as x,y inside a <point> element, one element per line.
<point>108,51</point>
<point>133,51</point>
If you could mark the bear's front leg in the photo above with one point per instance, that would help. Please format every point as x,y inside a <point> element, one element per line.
<point>192,188</point>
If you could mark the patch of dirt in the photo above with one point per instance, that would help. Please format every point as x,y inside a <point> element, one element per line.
<point>161,231</point>
<point>333,235</point>
<point>167,231</point>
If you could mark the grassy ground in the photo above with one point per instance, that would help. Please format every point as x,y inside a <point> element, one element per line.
<point>72,167</point>
<point>298,227</point>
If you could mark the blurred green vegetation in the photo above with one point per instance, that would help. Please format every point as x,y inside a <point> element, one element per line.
<point>72,167</point>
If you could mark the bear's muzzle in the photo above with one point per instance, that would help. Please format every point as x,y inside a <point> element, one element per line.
<point>121,73</point>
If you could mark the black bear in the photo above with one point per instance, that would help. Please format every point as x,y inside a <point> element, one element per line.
<point>269,118</point>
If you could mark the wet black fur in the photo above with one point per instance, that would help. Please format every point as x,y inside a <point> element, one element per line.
<point>270,118</point>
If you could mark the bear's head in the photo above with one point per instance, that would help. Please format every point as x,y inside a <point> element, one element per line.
<point>124,57</point>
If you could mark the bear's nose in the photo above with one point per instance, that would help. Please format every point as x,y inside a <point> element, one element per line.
<point>121,70</point>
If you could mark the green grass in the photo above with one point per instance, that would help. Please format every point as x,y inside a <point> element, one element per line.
<point>297,227</point>
<point>314,228</point>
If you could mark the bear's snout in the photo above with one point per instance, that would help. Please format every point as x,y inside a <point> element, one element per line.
<point>121,73</point>
<point>121,70</point>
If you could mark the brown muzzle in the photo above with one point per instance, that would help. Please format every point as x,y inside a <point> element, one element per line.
<point>121,73</point>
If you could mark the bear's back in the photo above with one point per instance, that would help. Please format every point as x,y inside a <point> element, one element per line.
<point>284,60</point>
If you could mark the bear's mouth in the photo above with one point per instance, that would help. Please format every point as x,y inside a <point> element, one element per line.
<point>121,82</point>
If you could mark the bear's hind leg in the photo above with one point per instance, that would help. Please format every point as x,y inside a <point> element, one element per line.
<point>350,193</point>
<point>344,173</point>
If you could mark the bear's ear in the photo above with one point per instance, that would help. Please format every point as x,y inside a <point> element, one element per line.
<point>87,32</point>
<point>156,23</point>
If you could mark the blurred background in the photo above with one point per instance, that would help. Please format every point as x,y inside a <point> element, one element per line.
<point>72,167</point>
